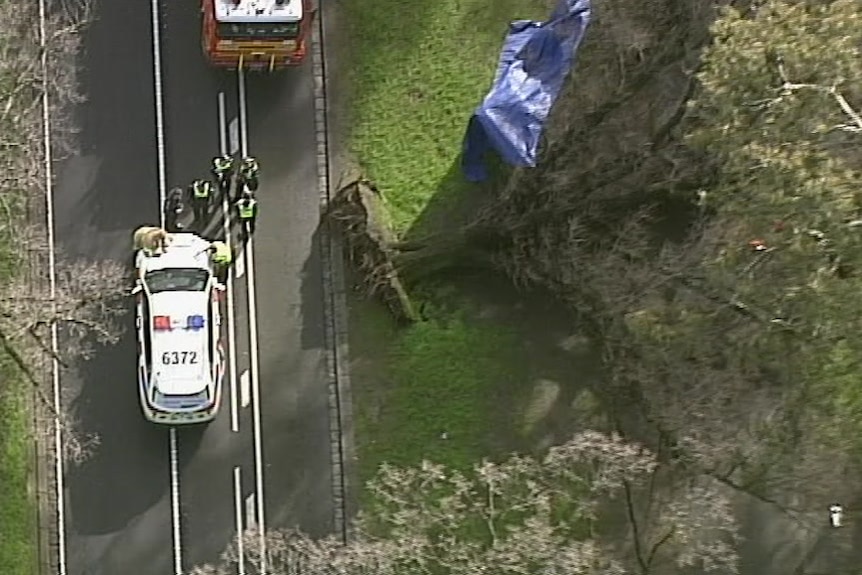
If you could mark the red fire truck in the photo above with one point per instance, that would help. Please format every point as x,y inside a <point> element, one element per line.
<point>256,34</point>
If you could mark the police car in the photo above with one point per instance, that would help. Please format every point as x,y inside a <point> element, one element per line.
<point>181,361</point>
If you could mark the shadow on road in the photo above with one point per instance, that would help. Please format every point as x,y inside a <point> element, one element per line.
<point>128,468</point>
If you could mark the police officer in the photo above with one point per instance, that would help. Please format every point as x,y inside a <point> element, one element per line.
<point>201,193</point>
<point>221,257</point>
<point>248,171</point>
<point>222,169</point>
<point>173,209</point>
<point>247,209</point>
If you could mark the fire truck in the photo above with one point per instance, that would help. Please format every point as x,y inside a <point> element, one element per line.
<point>256,34</point>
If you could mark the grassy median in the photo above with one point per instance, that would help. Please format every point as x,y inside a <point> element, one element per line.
<point>435,390</point>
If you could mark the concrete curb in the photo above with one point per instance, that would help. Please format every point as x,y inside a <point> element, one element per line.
<point>335,306</point>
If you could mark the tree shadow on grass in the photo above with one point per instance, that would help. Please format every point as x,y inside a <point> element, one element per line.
<point>548,364</point>
<point>457,202</point>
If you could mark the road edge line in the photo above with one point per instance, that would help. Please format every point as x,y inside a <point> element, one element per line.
<point>335,305</point>
<point>59,471</point>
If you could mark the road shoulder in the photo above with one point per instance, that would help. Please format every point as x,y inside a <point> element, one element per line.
<point>332,165</point>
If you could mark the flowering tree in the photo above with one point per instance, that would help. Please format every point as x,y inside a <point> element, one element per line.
<point>524,515</point>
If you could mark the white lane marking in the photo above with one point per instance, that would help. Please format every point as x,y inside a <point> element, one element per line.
<point>240,264</point>
<point>244,391</point>
<point>231,321</point>
<point>237,502</point>
<point>160,115</point>
<point>175,503</point>
<point>252,326</point>
<point>60,491</point>
<point>250,520</point>
<point>234,136</point>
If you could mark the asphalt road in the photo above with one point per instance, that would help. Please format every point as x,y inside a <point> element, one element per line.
<point>118,503</point>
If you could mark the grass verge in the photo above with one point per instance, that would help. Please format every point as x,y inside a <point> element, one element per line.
<point>417,72</point>
<point>17,548</point>
<point>433,390</point>
<point>17,507</point>
<point>438,390</point>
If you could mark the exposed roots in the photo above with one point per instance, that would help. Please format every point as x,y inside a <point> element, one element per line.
<point>356,208</point>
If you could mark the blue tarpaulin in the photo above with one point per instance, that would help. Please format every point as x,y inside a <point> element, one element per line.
<point>535,60</point>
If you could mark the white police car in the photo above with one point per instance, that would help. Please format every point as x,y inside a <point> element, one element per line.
<point>180,355</point>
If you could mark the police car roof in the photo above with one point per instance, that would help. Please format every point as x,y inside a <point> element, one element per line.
<point>258,11</point>
<point>184,251</point>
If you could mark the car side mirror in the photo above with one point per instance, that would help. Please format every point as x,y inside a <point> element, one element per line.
<point>136,290</point>
<point>219,286</point>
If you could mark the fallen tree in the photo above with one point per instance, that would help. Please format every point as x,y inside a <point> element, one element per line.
<point>697,202</point>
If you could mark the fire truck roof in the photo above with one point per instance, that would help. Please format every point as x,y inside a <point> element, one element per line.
<point>258,10</point>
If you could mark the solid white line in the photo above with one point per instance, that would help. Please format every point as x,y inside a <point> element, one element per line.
<point>175,503</point>
<point>222,145</point>
<point>237,501</point>
<point>244,391</point>
<point>243,119</point>
<point>250,520</point>
<point>233,131</point>
<point>240,264</point>
<point>52,286</point>
<point>252,326</point>
<point>231,323</point>
<point>160,117</point>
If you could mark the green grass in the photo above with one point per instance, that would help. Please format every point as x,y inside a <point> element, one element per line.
<point>17,511</point>
<point>17,548</point>
<point>418,70</point>
<point>443,375</point>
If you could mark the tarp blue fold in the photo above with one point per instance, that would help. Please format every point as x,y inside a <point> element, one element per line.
<point>534,62</point>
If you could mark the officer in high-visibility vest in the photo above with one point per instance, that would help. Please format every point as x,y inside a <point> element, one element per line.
<point>247,209</point>
<point>221,256</point>
<point>201,193</point>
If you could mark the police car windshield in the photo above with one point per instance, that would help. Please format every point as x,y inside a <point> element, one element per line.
<point>176,279</point>
<point>258,30</point>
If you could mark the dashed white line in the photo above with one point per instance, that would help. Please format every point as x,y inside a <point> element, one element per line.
<point>160,145</point>
<point>234,136</point>
<point>60,491</point>
<point>160,117</point>
<point>175,503</point>
<point>231,322</point>
<point>240,264</point>
<point>237,500</point>
<point>250,519</point>
<point>244,391</point>
<point>253,343</point>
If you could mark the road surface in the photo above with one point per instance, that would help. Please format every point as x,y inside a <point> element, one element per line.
<point>151,500</point>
